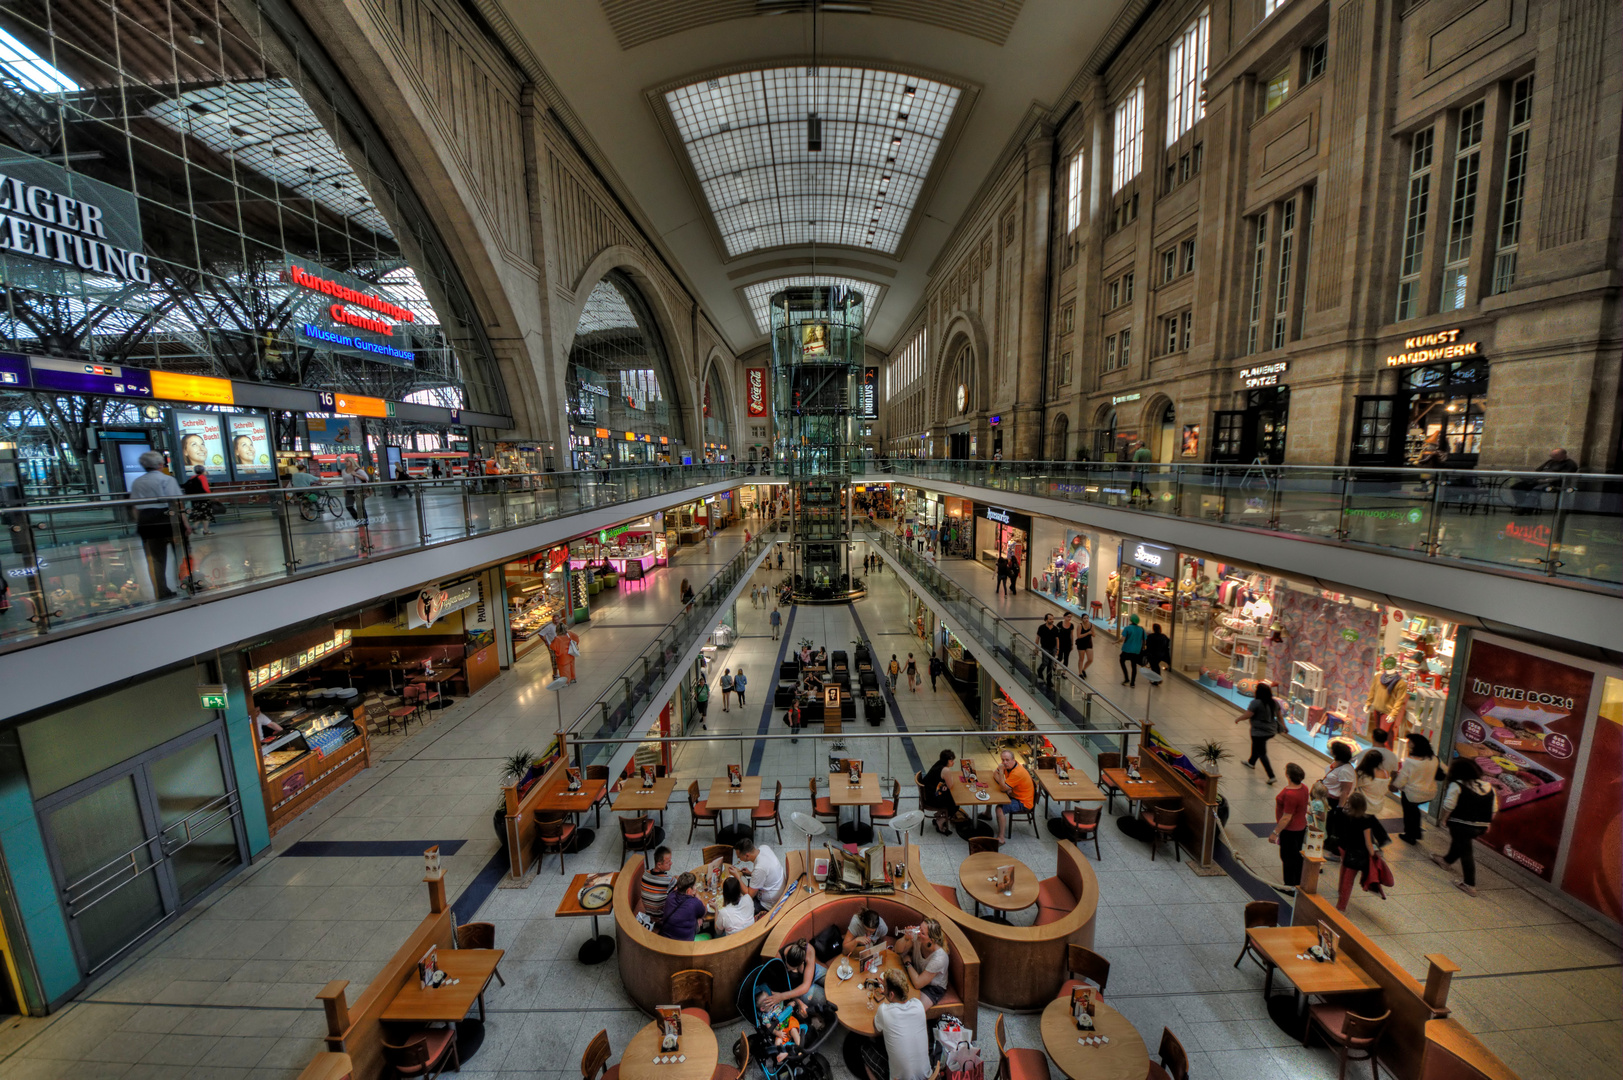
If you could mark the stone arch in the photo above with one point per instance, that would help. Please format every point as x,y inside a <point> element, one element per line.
<point>1059,438</point>
<point>1150,427</point>
<point>963,331</point>
<point>1105,419</point>
<point>717,362</point>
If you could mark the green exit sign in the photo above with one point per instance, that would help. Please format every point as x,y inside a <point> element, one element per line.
<point>211,697</point>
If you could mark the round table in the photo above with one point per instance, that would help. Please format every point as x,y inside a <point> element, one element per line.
<point>1124,1057</point>
<point>698,1044</point>
<point>975,874</point>
<point>852,999</point>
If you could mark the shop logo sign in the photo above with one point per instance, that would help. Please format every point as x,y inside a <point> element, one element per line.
<point>1264,374</point>
<point>1349,634</point>
<point>1528,534</point>
<point>755,390</point>
<point>1145,558</point>
<point>1426,348</point>
<point>995,514</point>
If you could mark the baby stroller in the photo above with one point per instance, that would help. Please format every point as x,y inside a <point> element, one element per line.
<point>802,1062</point>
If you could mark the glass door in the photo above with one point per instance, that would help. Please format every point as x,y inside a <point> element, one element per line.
<point>139,842</point>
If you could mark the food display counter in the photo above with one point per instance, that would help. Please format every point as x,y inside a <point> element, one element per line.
<point>322,746</point>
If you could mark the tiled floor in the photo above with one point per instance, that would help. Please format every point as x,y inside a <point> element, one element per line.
<point>230,991</point>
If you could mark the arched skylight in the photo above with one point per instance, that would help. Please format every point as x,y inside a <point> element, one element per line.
<point>760,294</point>
<point>746,136</point>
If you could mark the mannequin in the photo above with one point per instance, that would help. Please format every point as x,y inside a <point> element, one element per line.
<point>1113,592</point>
<point>1388,701</point>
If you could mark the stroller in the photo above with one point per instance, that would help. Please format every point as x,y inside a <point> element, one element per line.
<point>802,1062</point>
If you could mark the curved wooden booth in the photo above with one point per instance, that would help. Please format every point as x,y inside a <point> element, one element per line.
<point>902,908</point>
<point>1027,963</point>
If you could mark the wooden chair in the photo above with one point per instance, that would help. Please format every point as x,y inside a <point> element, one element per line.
<point>1347,1031</point>
<point>701,812</point>
<point>636,834</point>
<point>1029,815</point>
<point>886,810</point>
<point>724,852</point>
<point>599,772</point>
<point>1174,1061</point>
<point>1259,913</point>
<point>1085,823</point>
<point>822,808</point>
<point>594,1063</point>
<point>1164,819</point>
<point>980,844</point>
<point>424,1054</point>
<point>741,1062</point>
<point>769,812</point>
<point>478,935</point>
<point>553,834</point>
<point>691,990</point>
<point>948,893</point>
<point>1017,1063</point>
<point>1084,966</point>
<point>1109,761</point>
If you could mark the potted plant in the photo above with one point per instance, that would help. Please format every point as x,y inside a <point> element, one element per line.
<point>516,769</point>
<point>1210,756</point>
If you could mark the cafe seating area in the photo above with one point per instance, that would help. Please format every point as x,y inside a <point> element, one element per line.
<point>1030,931</point>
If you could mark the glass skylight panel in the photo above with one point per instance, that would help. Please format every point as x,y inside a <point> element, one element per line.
<point>606,309</point>
<point>759,296</point>
<point>746,137</point>
<point>31,69</point>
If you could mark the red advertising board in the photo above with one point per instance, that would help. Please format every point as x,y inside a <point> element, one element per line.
<point>755,390</point>
<point>1594,871</point>
<point>1522,717</point>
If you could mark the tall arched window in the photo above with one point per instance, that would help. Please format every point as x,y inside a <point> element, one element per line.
<point>622,403</point>
<point>718,418</point>
<point>1059,449</point>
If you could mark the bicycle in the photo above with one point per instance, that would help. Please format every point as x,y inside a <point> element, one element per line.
<point>311,505</point>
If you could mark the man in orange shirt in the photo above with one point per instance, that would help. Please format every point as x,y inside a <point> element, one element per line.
<point>1016,782</point>
<point>563,660</point>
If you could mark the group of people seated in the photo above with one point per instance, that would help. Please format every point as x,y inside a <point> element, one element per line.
<point>676,911</point>
<point>1011,777</point>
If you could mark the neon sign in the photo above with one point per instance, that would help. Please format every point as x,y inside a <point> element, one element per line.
<point>299,276</point>
<point>1425,348</point>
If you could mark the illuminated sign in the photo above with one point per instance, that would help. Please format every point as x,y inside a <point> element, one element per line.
<point>1119,398</point>
<point>68,219</point>
<point>631,437</point>
<point>172,387</point>
<point>602,432</point>
<point>356,405</point>
<point>995,420</point>
<point>755,390</point>
<point>870,393</point>
<point>994,514</point>
<point>1264,374</point>
<point>1426,348</point>
<point>76,375</point>
<point>1151,557</point>
<point>345,341</point>
<point>299,276</point>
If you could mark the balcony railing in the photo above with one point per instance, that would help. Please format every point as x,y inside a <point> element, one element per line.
<point>1567,526</point>
<point>72,564</point>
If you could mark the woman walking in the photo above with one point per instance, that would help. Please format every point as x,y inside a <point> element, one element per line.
<point>1469,805</point>
<point>726,688</point>
<point>1352,830</point>
<point>1084,647</point>
<point>1416,785</point>
<point>1290,823</point>
<point>912,674</point>
<point>739,683</point>
<point>1371,780</point>
<point>1265,724</point>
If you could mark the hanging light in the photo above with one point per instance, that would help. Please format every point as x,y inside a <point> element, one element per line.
<point>814,132</point>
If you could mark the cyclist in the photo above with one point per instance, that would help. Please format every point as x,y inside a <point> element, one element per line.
<point>301,480</point>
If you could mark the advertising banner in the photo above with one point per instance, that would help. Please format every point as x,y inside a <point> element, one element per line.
<point>755,390</point>
<point>199,442</point>
<point>434,601</point>
<point>349,314</point>
<point>250,447</point>
<point>1521,719</point>
<point>1594,871</point>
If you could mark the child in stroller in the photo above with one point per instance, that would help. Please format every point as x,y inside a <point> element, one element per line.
<point>781,1024</point>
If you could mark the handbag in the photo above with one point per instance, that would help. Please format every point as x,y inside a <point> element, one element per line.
<point>1380,873</point>
<point>574,647</point>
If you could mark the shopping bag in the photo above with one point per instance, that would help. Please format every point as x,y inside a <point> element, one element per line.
<point>1154,676</point>
<point>574,647</point>
<point>1380,873</point>
<point>964,1062</point>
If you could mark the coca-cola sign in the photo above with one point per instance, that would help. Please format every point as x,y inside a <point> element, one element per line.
<point>755,386</point>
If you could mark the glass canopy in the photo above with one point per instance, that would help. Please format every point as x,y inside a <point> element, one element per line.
<point>746,135</point>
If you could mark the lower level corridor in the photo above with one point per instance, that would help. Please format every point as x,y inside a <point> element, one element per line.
<point>230,990</point>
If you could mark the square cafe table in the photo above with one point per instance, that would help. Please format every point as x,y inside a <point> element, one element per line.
<point>723,796</point>
<point>559,798</point>
<point>1074,788</point>
<point>447,1004</point>
<point>964,794</point>
<point>600,946</point>
<point>633,798</point>
<point>1137,790</point>
<point>1281,945</point>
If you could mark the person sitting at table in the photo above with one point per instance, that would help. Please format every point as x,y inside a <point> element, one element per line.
<point>866,928</point>
<point>1015,780</point>
<point>901,1049</point>
<point>923,949</point>
<point>805,656</point>
<point>655,885</point>
<point>937,796</point>
<point>736,912</point>
<point>805,974</point>
<point>767,877</point>
<point>684,911</point>
<point>811,684</point>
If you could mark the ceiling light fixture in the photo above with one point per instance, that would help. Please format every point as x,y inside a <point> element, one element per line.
<point>814,133</point>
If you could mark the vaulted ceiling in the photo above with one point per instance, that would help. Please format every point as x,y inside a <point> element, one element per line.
<point>700,108</point>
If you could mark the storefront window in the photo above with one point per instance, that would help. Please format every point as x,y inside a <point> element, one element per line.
<point>621,406</point>
<point>1445,410</point>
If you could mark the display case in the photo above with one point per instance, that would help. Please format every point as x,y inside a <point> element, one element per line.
<point>319,749</point>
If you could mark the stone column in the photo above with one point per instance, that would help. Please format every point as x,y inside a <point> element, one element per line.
<point>1035,229</point>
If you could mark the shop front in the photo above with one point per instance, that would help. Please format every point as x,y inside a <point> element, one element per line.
<point>1062,560</point>
<point>1429,412</point>
<point>541,594</point>
<point>1000,533</point>
<point>624,553</point>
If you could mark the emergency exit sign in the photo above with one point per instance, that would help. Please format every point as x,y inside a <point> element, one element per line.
<point>211,697</point>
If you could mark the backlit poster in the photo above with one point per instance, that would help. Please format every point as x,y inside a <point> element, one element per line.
<point>249,440</point>
<point>1594,874</point>
<point>755,390</point>
<point>198,441</point>
<point>1521,719</point>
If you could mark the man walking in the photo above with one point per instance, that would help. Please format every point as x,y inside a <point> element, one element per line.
<point>1002,574</point>
<point>776,619</point>
<point>1047,645</point>
<point>1067,636</point>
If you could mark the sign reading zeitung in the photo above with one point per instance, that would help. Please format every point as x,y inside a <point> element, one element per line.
<point>68,219</point>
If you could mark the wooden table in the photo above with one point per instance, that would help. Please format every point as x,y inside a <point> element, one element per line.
<point>1124,1057</point>
<point>447,1004</point>
<point>1137,790</point>
<point>1074,788</point>
<point>558,798</point>
<point>975,872</point>
<point>1281,945</point>
<point>600,946</point>
<point>636,799</point>
<point>698,1046</point>
<point>852,999</point>
<point>723,796</point>
<point>964,796</point>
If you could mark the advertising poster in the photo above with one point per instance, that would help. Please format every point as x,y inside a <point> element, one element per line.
<point>1594,874</point>
<point>1190,446</point>
<point>198,441</point>
<point>755,390</point>
<point>251,457</point>
<point>1522,718</point>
